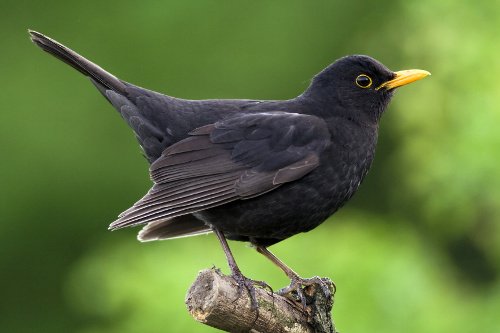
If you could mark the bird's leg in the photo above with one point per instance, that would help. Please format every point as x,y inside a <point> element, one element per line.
<point>296,282</point>
<point>243,282</point>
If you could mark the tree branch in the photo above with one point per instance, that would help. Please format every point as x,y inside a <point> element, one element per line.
<point>213,300</point>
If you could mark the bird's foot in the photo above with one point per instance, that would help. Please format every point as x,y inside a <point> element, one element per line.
<point>249,284</point>
<point>295,291</point>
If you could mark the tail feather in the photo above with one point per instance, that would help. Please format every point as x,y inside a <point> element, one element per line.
<point>143,110</point>
<point>78,62</point>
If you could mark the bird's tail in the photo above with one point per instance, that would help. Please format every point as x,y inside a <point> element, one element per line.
<point>78,62</point>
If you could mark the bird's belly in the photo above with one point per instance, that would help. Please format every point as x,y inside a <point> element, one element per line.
<point>292,208</point>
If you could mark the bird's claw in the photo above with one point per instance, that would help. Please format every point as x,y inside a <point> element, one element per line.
<point>295,291</point>
<point>249,285</point>
<point>263,285</point>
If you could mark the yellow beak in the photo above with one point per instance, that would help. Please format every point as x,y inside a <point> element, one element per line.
<point>404,77</point>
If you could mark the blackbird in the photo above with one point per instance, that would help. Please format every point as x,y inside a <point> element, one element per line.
<point>250,170</point>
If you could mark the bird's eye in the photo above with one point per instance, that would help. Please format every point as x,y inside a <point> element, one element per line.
<point>363,81</point>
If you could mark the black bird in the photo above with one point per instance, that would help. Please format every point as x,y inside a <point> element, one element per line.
<point>250,170</point>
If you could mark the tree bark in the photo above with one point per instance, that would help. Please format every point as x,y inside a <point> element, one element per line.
<point>213,300</point>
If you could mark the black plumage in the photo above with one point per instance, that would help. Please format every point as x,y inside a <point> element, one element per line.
<point>250,170</point>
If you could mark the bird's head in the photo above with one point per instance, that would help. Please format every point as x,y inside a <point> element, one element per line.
<point>358,87</point>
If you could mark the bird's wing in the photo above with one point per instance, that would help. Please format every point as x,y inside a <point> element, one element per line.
<point>237,158</point>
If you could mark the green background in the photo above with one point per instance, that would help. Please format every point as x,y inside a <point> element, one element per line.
<point>416,250</point>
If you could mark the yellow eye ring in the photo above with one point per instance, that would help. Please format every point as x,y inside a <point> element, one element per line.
<point>364,81</point>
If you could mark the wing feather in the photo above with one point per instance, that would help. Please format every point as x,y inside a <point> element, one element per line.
<point>160,213</point>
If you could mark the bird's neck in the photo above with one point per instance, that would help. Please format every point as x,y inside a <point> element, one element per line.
<point>332,110</point>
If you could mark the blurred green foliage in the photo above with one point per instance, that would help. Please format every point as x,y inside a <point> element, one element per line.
<point>417,250</point>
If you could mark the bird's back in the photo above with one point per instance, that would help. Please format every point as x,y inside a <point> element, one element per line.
<point>159,120</point>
